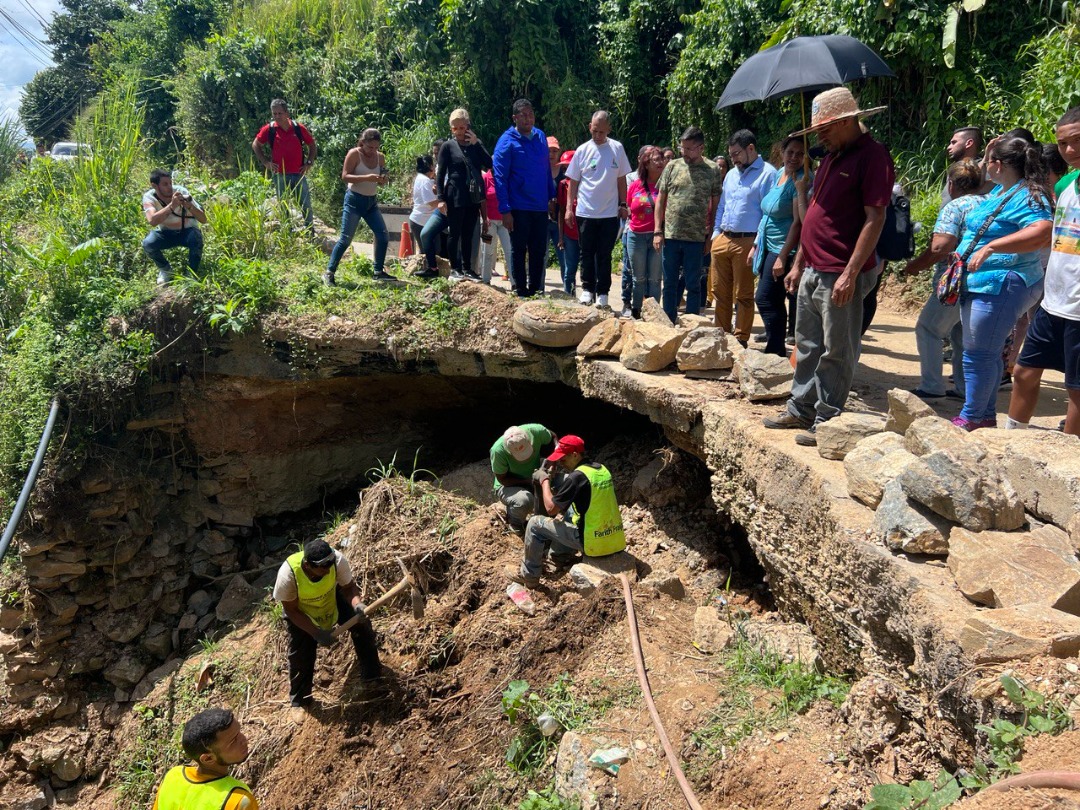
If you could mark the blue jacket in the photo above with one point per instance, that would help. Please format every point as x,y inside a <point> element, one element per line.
<point>522,172</point>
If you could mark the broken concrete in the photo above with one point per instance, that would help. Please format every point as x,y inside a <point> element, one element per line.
<point>1003,569</point>
<point>763,376</point>
<point>838,437</point>
<point>650,347</point>
<point>906,525</point>
<point>704,349</point>
<point>711,632</point>
<point>592,572</point>
<point>928,434</point>
<point>790,641</point>
<point>1020,633</point>
<point>605,339</point>
<point>552,324</point>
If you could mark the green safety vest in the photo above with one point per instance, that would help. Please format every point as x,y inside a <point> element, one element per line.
<point>318,600</point>
<point>603,530</point>
<point>177,792</point>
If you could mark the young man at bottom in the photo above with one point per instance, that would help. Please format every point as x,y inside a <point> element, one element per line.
<point>213,740</point>
<point>585,497</point>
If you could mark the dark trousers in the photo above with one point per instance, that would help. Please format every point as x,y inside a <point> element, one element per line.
<point>771,299</point>
<point>462,220</point>
<point>869,307</point>
<point>529,239</point>
<point>597,239</point>
<point>158,241</point>
<point>302,654</point>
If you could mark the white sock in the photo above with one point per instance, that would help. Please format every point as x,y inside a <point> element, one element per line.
<point>1012,424</point>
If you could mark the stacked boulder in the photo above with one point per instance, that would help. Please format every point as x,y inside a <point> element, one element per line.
<point>1000,506</point>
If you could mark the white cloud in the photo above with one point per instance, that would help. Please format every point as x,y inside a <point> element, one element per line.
<point>17,62</point>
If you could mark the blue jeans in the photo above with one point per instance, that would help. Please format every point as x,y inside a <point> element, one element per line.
<point>645,267</point>
<point>937,322</point>
<point>158,240</point>
<point>357,207</point>
<point>626,271</point>
<point>682,261</point>
<point>771,300</point>
<point>298,186</point>
<point>429,237</point>
<point>571,261</point>
<point>987,321</point>
<point>560,255</point>
<point>827,346</point>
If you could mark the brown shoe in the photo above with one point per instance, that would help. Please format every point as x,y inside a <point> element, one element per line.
<point>515,575</point>
<point>785,421</point>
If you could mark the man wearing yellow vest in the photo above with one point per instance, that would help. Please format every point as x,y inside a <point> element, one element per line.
<point>585,498</point>
<point>316,588</point>
<point>214,742</point>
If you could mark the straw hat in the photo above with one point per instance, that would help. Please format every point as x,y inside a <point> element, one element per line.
<point>833,105</point>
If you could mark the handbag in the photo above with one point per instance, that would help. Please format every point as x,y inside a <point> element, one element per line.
<point>951,283</point>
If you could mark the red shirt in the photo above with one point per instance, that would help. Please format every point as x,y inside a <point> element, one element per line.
<point>861,175</point>
<point>287,151</point>
<point>564,192</point>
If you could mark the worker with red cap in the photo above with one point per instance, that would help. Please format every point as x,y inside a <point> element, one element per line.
<point>580,513</point>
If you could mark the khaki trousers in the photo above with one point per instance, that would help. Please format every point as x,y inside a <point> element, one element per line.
<point>731,281</point>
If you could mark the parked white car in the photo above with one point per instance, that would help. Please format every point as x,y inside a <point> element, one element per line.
<point>67,150</point>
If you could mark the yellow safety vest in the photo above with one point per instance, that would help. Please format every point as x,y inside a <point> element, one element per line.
<point>179,792</point>
<point>602,533</point>
<point>318,600</point>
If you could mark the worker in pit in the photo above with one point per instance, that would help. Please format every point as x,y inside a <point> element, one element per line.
<point>214,741</point>
<point>316,588</point>
<point>580,513</point>
<point>515,456</point>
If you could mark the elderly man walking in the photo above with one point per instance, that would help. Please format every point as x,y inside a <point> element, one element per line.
<point>833,268</point>
<point>525,190</point>
<point>597,176</point>
<point>738,215</point>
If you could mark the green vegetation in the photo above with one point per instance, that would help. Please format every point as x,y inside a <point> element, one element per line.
<point>1039,714</point>
<point>760,691</point>
<point>547,799</point>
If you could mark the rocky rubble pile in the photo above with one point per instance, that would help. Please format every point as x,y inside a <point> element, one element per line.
<point>1000,506</point>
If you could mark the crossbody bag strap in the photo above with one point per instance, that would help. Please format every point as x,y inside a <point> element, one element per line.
<point>979,234</point>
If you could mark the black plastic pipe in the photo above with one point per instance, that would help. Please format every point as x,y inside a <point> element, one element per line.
<point>31,479</point>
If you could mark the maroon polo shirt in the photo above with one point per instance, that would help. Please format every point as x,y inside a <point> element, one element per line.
<point>861,175</point>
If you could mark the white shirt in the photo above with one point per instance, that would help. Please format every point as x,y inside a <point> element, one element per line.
<point>597,168</point>
<point>285,585</point>
<point>423,194</point>
<point>1061,290</point>
<point>178,218</point>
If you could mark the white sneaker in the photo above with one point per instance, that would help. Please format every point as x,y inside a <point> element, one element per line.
<point>601,301</point>
<point>627,314</point>
<point>585,297</point>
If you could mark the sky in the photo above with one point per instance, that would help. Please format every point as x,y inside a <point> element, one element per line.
<point>17,61</point>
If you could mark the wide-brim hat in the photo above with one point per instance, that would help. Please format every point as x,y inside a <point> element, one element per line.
<point>834,105</point>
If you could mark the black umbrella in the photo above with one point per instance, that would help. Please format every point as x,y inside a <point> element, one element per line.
<point>803,64</point>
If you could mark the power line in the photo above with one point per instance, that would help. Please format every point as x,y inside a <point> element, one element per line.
<point>33,11</point>
<point>33,54</point>
<point>26,33</point>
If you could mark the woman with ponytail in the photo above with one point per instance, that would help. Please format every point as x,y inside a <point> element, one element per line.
<point>1004,275</point>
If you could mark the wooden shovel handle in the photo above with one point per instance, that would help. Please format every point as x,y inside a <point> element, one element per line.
<point>378,603</point>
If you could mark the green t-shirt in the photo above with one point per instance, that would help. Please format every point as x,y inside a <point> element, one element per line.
<point>503,462</point>
<point>1063,183</point>
<point>689,189</point>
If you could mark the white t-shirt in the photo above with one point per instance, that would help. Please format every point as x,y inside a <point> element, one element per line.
<point>423,194</point>
<point>597,168</point>
<point>1061,290</point>
<point>285,585</point>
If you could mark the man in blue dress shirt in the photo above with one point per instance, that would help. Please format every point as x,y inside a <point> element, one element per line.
<point>738,215</point>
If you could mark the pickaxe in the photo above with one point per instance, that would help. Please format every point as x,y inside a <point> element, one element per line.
<point>407,581</point>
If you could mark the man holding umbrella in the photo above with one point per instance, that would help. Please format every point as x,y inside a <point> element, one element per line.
<point>833,268</point>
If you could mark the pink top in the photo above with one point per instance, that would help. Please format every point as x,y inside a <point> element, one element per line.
<point>642,201</point>
<point>492,201</point>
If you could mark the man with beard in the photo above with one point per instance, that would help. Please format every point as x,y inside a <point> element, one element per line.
<point>214,741</point>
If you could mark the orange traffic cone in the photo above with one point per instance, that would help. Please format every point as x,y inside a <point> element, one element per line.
<point>405,248</point>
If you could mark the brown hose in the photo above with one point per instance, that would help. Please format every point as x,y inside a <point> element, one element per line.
<point>1068,780</point>
<point>643,679</point>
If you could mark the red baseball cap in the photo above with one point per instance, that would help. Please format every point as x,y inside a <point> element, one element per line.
<point>567,156</point>
<point>567,445</point>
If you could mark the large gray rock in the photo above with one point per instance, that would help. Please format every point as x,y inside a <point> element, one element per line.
<point>1020,634</point>
<point>591,572</point>
<point>928,434</point>
<point>551,324</point>
<point>905,525</point>
<point>711,633</point>
<point>605,339</point>
<point>1044,468</point>
<point>126,672</point>
<point>838,437</point>
<point>960,485</point>
<point>1003,569</point>
<point>704,349</point>
<point>905,408</point>
<point>238,600</point>
<point>763,376</point>
<point>650,347</point>
<point>652,312</point>
<point>875,461</point>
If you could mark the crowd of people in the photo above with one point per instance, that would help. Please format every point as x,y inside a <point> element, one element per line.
<point>797,242</point>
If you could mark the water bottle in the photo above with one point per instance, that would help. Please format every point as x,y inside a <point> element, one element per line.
<point>521,597</point>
